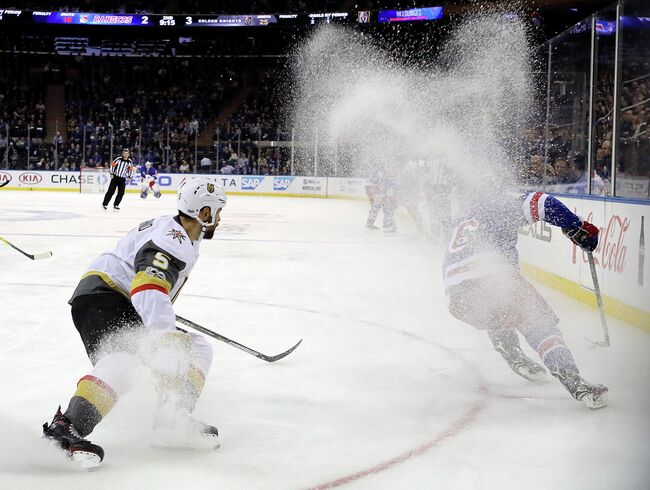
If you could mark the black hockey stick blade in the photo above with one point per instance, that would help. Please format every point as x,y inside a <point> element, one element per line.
<point>36,256</point>
<point>237,345</point>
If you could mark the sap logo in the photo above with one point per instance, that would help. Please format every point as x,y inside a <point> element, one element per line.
<point>281,183</point>
<point>5,178</point>
<point>250,183</point>
<point>30,178</point>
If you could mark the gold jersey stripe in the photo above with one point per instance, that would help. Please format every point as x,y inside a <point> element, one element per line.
<point>109,282</point>
<point>142,278</point>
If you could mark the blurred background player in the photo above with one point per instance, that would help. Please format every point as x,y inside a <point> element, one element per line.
<point>130,290</point>
<point>486,288</point>
<point>381,192</point>
<point>121,169</point>
<point>149,180</point>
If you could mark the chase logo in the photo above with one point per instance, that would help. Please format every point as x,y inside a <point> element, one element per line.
<point>250,183</point>
<point>281,183</point>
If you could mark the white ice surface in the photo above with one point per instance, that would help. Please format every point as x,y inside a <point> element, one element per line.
<point>386,382</point>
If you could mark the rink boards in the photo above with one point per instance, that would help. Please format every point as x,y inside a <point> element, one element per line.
<point>256,185</point>
<point>621,263</point>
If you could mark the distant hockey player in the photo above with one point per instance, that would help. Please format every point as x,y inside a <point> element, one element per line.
<point>486,289</point>
<point>380,191</point>
<point>131,290</point>
<point>149,180</point>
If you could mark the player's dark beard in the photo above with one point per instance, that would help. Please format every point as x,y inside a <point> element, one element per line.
<point>209,233</point>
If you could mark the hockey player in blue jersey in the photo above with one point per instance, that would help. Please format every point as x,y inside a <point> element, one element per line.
<point>380,191</point>
<point>148,180</point>
<point>486,289</point>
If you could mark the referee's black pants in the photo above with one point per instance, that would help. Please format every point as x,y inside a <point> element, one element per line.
<point>118,183</point>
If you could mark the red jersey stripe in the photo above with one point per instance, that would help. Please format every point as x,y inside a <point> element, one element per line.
<point>144,287</point>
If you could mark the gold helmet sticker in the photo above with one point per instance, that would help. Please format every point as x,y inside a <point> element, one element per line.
<point>210,187</point>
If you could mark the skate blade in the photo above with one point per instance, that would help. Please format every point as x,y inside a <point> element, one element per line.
<point>88,461</point>
<point>597,343</point>
<point>194,442</point>
<point>597,402</point>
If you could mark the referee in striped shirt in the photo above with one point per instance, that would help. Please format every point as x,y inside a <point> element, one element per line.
<point>121,169</point>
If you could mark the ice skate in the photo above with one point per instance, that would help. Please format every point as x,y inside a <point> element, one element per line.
<point>370,226</point>
<point>527,368</point>
<point>507,344</point>
<point>143,194</point>
<point>62,433</point>
<point>105,207</point>
<point>184,432</point>
<point>592,395</point>
<point>116,208</point>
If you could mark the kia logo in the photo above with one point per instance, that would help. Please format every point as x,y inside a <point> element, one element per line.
<point>5,178</point>
<point>30,178</point>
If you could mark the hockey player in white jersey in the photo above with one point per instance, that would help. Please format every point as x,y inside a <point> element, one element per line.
<point>131,289</point>
<point>486,289</point>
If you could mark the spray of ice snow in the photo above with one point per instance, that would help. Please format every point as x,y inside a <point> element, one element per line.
<point>465,112</point>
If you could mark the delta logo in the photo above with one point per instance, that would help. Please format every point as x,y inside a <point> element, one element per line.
<point>5,178</point>
<point>281,183</point>
<point>250,183</point>
<point>30,178</point>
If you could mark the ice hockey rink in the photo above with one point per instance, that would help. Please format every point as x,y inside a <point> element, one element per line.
<point>387,390</point>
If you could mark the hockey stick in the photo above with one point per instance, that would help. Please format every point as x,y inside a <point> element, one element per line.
<point>237,345</point>
<point>599,300</point>
<point>38,256</point>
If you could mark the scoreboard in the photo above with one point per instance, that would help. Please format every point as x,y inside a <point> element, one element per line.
<point>26,17</point>
<point>164,21</point>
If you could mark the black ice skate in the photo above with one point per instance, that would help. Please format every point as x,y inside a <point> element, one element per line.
<point>592,395</point>
<point>116,208</point>
<point>105,207</point>
<point>62,433</point>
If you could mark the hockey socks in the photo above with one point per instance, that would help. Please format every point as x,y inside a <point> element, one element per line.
<point>90,404</point>
<point>555,354</point>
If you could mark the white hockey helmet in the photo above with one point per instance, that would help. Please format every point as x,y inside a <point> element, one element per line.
<point>196,193</point>
<point>147,164</point>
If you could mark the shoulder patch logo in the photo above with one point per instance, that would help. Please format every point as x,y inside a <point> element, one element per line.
<point>176,234</point>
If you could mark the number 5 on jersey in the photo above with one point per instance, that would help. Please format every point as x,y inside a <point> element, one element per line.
<point>161,261</point>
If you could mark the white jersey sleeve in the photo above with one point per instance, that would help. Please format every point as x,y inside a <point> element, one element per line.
<point>161,265</point>
<point>150,265</point>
